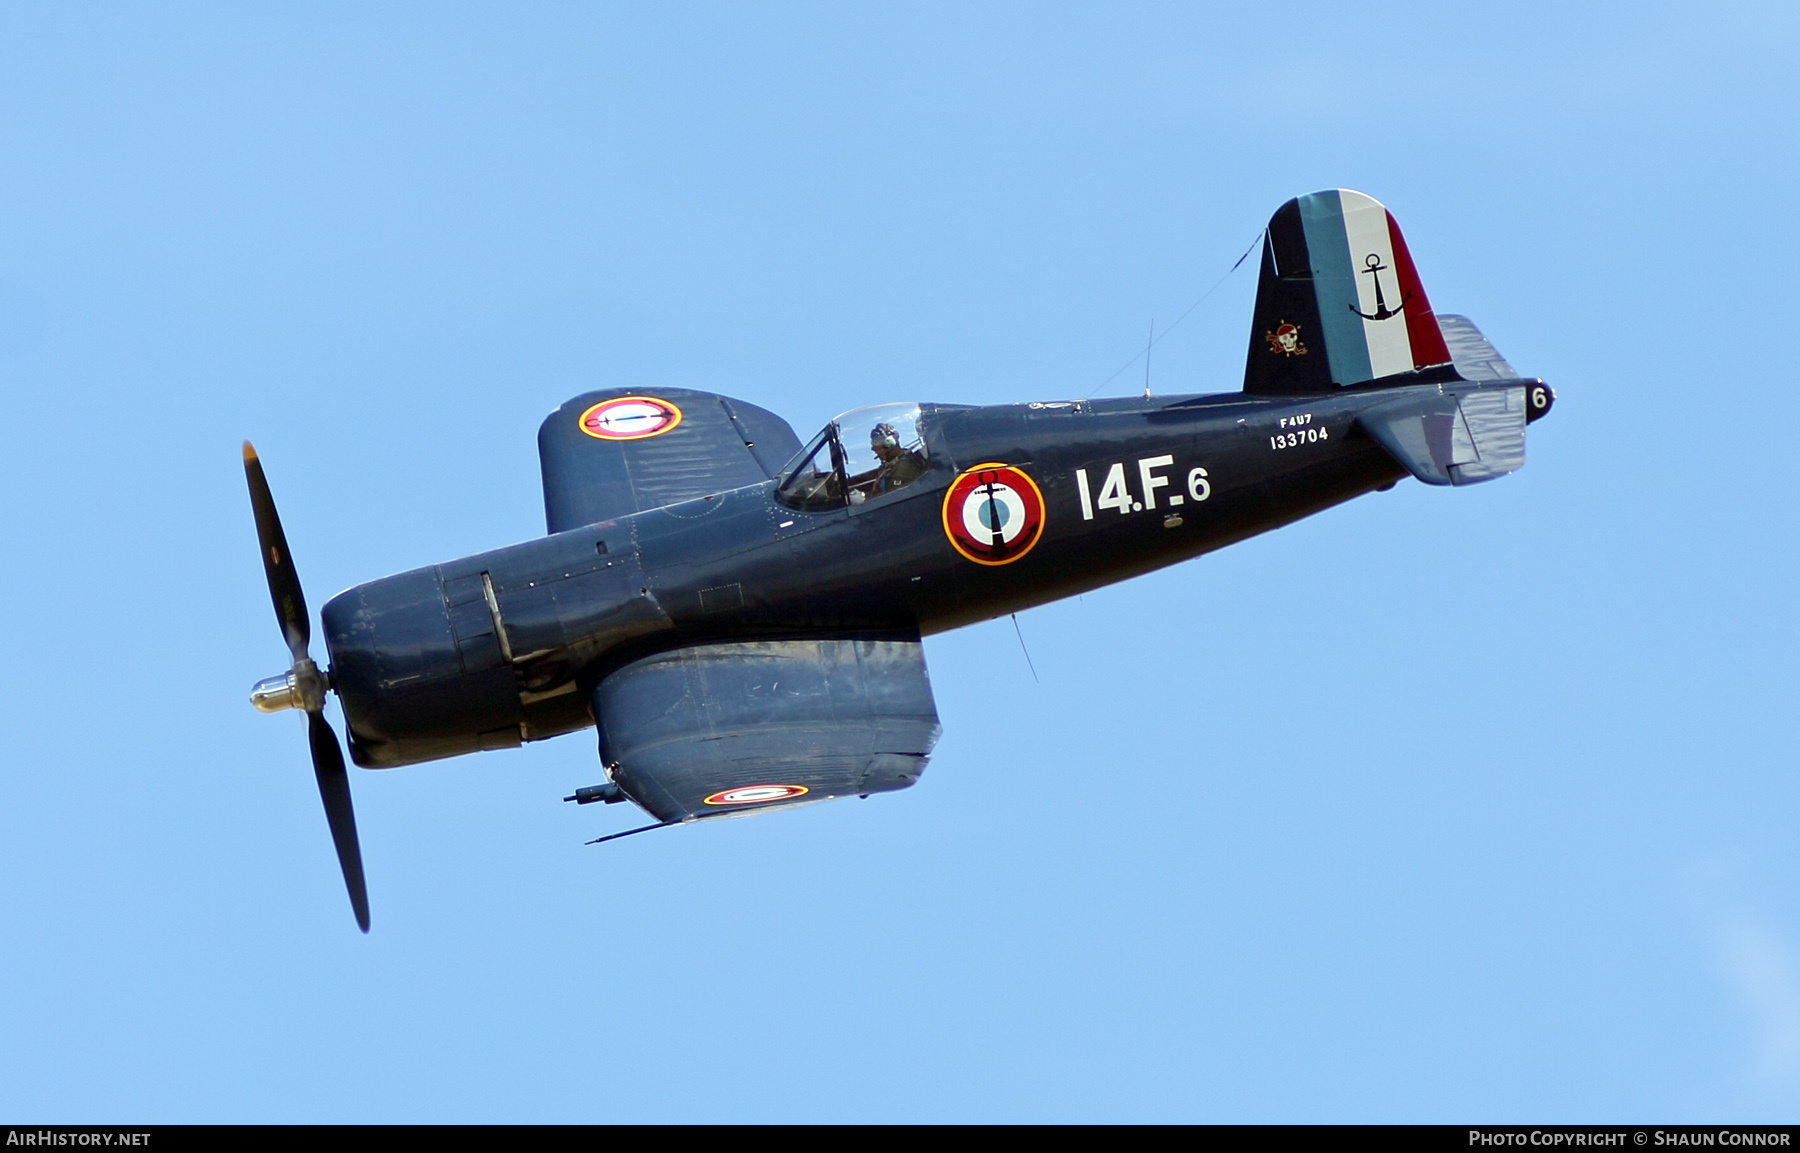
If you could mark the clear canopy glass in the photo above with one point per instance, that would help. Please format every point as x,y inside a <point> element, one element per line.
<point>882,449</point>
<point>862,455</point>
<point>812,482</point>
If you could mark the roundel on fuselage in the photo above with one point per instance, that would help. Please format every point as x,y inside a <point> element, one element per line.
<point>993,513</point>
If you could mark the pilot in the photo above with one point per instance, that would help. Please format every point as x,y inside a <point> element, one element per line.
<point>899,466</point>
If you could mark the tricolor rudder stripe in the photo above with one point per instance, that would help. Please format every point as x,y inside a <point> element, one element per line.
<point>1340,301</point>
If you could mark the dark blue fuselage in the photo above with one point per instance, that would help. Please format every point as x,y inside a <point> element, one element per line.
<point>503,647</point>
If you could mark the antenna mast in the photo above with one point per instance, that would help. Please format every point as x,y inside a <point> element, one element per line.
<point>1148,344</point>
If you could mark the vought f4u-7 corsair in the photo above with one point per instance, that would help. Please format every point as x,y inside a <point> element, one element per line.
<point>739,614</point>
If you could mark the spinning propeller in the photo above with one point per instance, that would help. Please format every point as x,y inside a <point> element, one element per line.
<point>303,686</point>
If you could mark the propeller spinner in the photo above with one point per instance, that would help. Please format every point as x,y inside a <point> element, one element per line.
<point>303,686</point>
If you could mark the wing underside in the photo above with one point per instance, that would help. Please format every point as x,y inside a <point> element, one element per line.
<point>721,729</point>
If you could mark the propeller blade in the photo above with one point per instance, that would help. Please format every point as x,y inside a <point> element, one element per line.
<point>284,585</point>
<point>334,790</point>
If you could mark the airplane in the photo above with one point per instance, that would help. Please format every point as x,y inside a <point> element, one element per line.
<point>739,615</point>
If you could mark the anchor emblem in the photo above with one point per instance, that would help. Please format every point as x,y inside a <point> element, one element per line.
<point>1382,311</point>
<point>993,517</point>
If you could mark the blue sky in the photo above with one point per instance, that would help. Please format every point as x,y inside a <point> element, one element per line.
<point>1445,805</point>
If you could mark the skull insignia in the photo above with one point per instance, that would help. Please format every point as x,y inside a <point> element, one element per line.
<point>1285,340</point>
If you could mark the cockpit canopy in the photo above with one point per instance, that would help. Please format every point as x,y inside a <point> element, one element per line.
<point>861,456</point>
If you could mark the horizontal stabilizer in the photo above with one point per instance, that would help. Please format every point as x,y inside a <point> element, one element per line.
<point>1474,357</point>
<point>1444,438</point>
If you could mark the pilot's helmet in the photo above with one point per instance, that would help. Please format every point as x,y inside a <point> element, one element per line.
<point>884,435</point>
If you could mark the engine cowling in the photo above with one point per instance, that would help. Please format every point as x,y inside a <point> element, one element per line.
<point>483,652</point>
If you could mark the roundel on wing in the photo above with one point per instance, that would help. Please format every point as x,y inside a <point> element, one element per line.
<point>630,418</point>
<point>757,794</point>
<point>993,514</point>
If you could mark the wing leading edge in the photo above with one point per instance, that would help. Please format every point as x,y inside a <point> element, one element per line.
<point>720,729</point>
<point>618,451</point>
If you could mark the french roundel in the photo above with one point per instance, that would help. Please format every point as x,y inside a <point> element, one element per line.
<point>630,418</point>
<point>756,794</point>
<point>993,514</point>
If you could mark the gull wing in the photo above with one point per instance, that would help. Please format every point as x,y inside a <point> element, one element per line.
<point>611,453</point>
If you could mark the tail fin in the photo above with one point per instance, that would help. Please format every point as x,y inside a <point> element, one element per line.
<point>1339,302</point>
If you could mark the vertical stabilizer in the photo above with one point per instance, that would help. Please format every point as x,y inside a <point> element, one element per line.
<point>1339,302</point>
